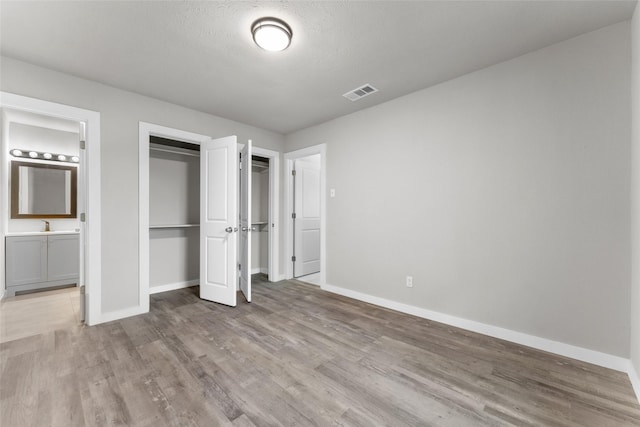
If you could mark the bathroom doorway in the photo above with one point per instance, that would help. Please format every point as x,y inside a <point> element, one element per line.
<point>50,256</point>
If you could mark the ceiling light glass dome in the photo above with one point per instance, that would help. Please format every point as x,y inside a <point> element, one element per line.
<point>271,34</point>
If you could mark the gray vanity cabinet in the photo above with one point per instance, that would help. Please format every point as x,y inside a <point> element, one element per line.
<point>63,257</point>
<point>26,260</point>
<point>41,261</point>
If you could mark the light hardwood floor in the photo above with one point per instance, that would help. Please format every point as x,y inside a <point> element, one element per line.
<point>296,356</point>
<point>36,313</point>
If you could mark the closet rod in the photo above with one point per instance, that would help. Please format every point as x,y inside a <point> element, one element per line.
<point>168,150</point>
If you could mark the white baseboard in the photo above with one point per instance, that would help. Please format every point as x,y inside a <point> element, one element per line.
<point>120,314</point>
<point>635,380</point>
<point>172,286</point>
<point>562,349</point>
<point>260,270</point>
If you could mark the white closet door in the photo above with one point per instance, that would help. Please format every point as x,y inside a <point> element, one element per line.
<point>245,221</point>
<point>307,220</point>
<point>218,220</point>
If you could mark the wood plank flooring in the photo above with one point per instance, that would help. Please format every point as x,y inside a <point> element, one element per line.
<point>32,314</point>
<point>296,356</point>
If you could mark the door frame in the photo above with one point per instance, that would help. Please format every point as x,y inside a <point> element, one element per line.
<point>274,210</point>
<point>289,158</point>
<point>146,130</point>
<point>88,179</point>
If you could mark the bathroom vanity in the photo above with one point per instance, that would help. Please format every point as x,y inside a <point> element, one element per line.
<point>39,260</point>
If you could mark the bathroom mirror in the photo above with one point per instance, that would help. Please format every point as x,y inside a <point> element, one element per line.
<point>41,190</point>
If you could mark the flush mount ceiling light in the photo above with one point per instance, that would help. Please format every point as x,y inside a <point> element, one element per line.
<point>271,34</point>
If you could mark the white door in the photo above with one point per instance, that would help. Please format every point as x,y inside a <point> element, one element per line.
<point>218,220</point>
<point>245,221</point>
<point>306,249</point>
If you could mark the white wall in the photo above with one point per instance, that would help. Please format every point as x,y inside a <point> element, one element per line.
<point>635,199</point>
<point>504,193</point>
<point>43,139</point>
<point>121,111</point>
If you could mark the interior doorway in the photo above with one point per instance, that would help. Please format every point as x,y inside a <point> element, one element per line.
<point>178,170</point>
<point>42,251</point>
<point>265,198</point>
<point>306,214</point>
<point>173,229</point>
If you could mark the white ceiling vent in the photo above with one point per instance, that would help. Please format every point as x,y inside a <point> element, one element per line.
<point>360,92</point>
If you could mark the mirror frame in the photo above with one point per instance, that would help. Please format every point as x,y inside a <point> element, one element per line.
<point>15,179</point>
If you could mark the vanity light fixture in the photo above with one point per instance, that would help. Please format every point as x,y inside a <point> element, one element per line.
<point>271,34</point>
<point>40,155</point>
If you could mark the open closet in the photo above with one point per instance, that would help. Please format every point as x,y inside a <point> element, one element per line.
<point>237,236</point>
<point>174,214</point>
<point>260,218</point>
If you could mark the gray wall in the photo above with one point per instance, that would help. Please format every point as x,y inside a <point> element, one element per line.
<point>504,193</point>
<point>120,113</point>
<point>174,198</point>
<point>635,196</point>
<point>260,212</point>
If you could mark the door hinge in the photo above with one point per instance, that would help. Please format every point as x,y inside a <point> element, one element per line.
<point>239,266</point>
<point>293,172</point>
<point>293,258</point>
<point>293,215</point>
<point>83,217</point>
<point>83,145</point>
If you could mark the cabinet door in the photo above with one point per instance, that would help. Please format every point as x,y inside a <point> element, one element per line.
<point>64,257</point>
<point>26,260</point>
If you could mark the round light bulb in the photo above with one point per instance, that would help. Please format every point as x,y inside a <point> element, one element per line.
<point>33,154</point>
<point>47,156</point>
<point>271,34</point>
<point>75,159</point>
<point>16,153</point>
<point>62,157</point>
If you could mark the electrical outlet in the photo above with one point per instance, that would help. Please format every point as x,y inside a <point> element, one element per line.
<point>409,282</point>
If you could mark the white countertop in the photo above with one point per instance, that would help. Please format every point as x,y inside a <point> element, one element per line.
<point>40,233</point>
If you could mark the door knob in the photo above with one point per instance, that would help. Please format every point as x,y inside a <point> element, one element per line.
<point>229,230</point>
<point>246,228</point>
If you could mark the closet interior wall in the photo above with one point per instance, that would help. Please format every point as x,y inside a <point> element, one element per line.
<point>174,215</point>
<point>260,215</point>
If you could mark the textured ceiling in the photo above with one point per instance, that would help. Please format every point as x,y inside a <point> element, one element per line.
<point>201,55</point>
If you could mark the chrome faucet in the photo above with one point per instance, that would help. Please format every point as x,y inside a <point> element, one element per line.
<point>46,225</point>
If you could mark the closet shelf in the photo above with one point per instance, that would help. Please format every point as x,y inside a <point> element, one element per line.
<point>173,226</point>
<point>260,223</point>
<point>175,151</point>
